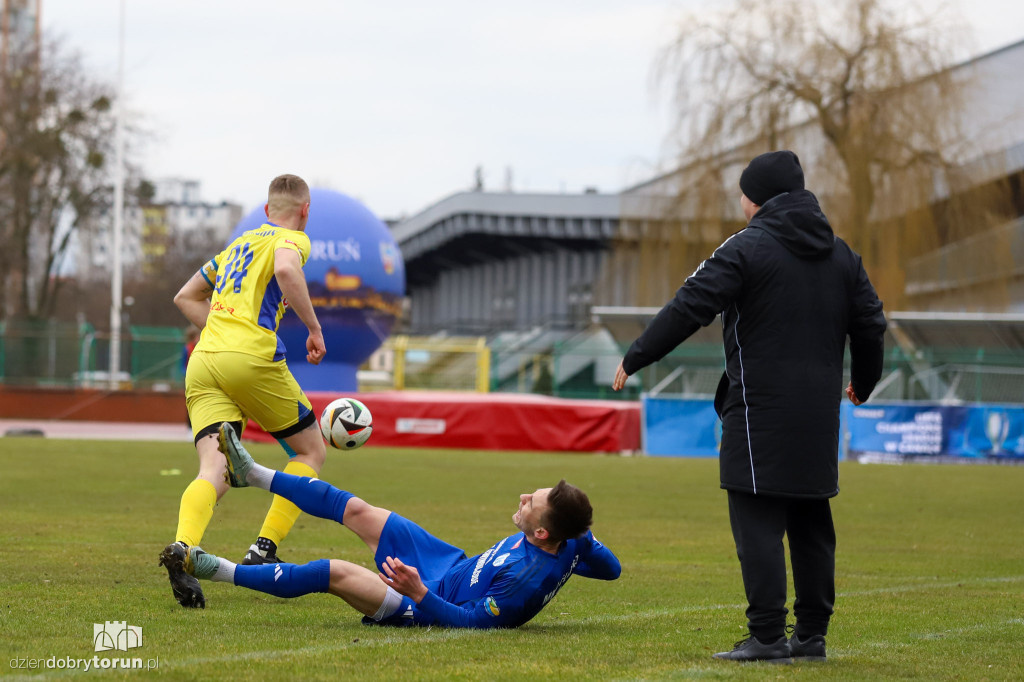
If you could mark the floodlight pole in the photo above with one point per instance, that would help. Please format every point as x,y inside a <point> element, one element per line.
<point>118,227</point>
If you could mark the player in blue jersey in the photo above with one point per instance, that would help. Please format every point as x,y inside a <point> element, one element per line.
<point>422,580</point>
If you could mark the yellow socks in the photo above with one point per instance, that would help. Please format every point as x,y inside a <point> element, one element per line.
<point>200,497</point>
<point>195,511</point>
<point>282,514</point>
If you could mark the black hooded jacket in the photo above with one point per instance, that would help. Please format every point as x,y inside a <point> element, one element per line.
<point>790,293</point>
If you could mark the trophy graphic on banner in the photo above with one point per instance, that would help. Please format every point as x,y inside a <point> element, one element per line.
<point>997,426</point>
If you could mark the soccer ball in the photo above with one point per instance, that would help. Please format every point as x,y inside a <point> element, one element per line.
<point>346,423</point>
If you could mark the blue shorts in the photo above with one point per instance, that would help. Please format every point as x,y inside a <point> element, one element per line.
<point>433,558</point>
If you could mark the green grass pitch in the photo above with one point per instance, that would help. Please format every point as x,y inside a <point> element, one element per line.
<point>930,570</point>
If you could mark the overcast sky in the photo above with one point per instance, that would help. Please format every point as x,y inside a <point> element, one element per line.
<point>396,103</point>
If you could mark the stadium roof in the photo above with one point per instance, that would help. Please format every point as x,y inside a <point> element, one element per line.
<point>589,217</point>
<point>625,323</point>
<point>988,331</point>
<point>508,214</point>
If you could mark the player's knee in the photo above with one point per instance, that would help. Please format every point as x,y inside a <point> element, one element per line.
<point>212,470</point>
<point>311,460</point>
<point>355,510</point>
<point>216,478</point>
<point>356,507</point>
<point>341,571</point>
<point>317,456</point>
<point>309,448</point>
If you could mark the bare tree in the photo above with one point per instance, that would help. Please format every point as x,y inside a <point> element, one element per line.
<point>161,276</point>
<point>57,123</point>
<point>861,88</point>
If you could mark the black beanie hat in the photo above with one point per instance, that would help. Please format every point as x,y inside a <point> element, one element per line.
<point>771,174</point>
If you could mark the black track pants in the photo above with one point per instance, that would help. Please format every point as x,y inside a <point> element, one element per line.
<point>758,526</point>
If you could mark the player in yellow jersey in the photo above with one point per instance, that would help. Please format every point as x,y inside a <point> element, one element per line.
<point>238,372</point>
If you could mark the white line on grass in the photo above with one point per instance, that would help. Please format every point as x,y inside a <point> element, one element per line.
<point>448,634</point>
<point>436,634</point>
<point>964,630</point>
<point>930,586</point>
<point>941,634</point>
<point>851,594</point>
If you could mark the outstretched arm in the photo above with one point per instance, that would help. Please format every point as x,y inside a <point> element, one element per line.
<point>404,579</point>
<point>496,609</point>
<point>193,299</point>
<point>867,338</point>
<point>620,378</point>
<point>288,271</point>
<point>708,291</point>
<point>596,560</point>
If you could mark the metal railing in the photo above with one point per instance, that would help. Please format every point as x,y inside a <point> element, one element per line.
<point>434,363</point>
<point>546,361</point>
<point>956,384</point>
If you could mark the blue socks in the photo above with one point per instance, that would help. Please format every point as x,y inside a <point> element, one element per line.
<point>311,495</point>
<point>316,498</point>
<point>286,580</point>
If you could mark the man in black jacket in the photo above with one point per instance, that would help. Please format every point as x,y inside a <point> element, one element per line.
<point>789,292</point>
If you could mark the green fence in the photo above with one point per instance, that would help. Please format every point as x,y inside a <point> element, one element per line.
<point>156,354</point>
<point>549,362</point>
<point>583,365</point>
<point>48,353</point>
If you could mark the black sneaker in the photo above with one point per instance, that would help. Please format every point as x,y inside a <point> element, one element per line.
<point>254,558</point>
<point>810,649</point>
<point>186,588</point>
<point>752,649</point>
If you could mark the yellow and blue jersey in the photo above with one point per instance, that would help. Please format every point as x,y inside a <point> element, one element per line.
<point>247,302</point>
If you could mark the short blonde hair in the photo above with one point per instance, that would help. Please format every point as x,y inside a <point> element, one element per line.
<point>287,194</point>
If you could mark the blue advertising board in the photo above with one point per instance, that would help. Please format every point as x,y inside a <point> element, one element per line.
<point>678,427</point>
<point>928,430</point>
